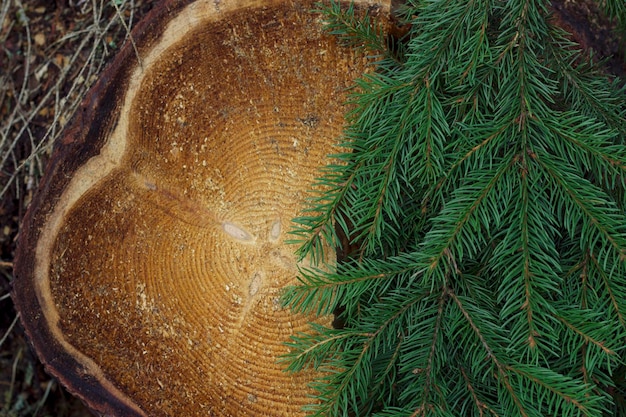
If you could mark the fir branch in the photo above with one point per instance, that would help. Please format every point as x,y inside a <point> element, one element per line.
<point>357,358</point>
<point>493,356</point>
<point>421,114</point>
<point>471,208</point>
<point>583,87</point>
<point>322,291</point>
<point>528,263</point>
<point>384,381</point>
<point>612,287</point>
<point>313,349</point>
<point>479,404</point>
<point>601,220</point>
<point>587,144</point>
<point>588,330</point>
<point>422,359</point>
<point>484,179</point>
<point>429,371</point>
<point>355,29</point>
<point>315,228</point>
<point>571,397</point>
<point>448,23</point>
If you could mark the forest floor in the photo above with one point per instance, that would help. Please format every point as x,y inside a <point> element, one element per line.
<point>51,52</point>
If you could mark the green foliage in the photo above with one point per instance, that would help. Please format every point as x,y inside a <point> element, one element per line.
<point>483,179</point>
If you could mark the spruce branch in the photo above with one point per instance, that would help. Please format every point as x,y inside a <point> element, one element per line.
<point>612,287</point>
<point>480,405</point>
<point>316,226</point>
<point>483,178</point>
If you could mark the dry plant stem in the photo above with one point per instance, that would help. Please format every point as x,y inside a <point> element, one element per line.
<point>3,82</point>
<point>3,14</point>
<point>41,86</point>
<point>20,96</point>
<point>18,357</point>
<point>13,385</point>
<point>11,326</point>
<point>26,121</point>
<point>44,397</point>
<point>93,35</point>
<point>128,34</point>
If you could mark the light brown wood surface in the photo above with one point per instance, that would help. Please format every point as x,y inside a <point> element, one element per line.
<point>152,260</point>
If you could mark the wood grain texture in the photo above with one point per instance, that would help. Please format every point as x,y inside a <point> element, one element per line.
<point>152,259</point>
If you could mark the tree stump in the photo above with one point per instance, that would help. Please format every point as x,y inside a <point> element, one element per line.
<point>152,259</point>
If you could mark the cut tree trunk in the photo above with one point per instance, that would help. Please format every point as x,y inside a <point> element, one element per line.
<point>151,262</point>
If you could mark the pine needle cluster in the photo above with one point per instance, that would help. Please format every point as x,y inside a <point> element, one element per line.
<point>483,180</point>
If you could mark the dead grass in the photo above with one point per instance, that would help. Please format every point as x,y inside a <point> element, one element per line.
<point>50,54</point>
